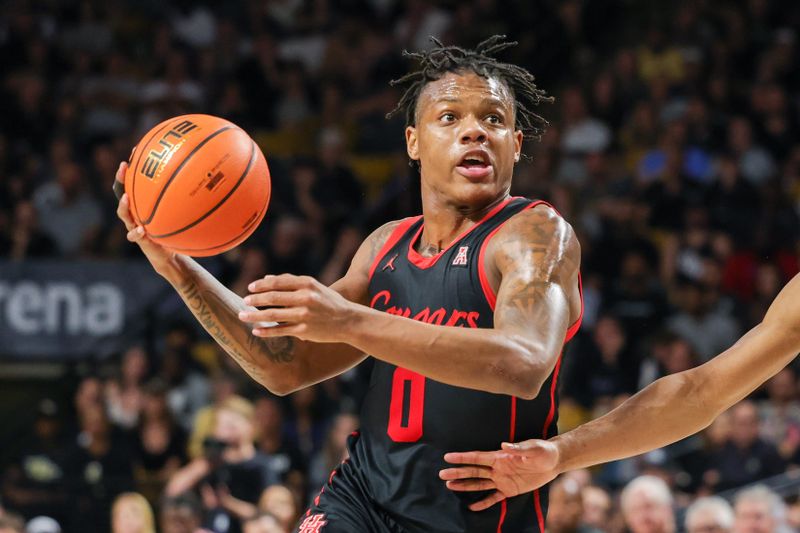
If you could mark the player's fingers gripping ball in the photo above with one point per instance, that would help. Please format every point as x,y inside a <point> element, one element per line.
<point>198,184</point>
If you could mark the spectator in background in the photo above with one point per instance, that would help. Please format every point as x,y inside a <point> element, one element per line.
<point>252,265</point>
<point>10,523</point>
<point>279,501</point>
<point>767,283</point>
<point>88,395</point>
<point>669,354</point>
<point>305,429</point>
<point>607,370</point>
<point>339,194</point>
<point>710,332</point>
<point>180,514</point>
<point>334,450</point>
<point>793,515</point>
<point>759,510</point>
<point>231,474</point>
<point>188,387</point>
<point>639,131</point>
<point>223,386</point>
<point>67,212</point>
<point>419,21</point>
<point>636,297</point>
<point>98,468</point>
<point>263,522</point>
<point>709,515</point>
<point>159,443</point>
<point>565,510</point>
<point>42,524</point>
<point>658,60</point>
<point>286,460</point>
<point>745,458</point>
<point>733,201</point>
<point>289,245</point>
<point>596,507</point>
<point>755,163</point>
<point>646,504</point>
<point>582,134</point>
<point>124,395</point>
<point>26,240</point>
<point>780,415</point>
<point>132,514</point>
<point>35,482</point>
<point>294,107</point>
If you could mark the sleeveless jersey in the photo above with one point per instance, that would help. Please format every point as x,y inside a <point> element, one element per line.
<point>408,421</point>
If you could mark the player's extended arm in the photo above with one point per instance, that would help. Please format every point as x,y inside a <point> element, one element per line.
<point>689,401</point>
<point>535,256</point>
<point>668,410</point>
<point>281,364</point>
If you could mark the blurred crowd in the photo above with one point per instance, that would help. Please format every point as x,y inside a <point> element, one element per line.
<point>673,151</point>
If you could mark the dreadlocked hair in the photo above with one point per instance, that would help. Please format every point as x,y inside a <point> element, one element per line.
<point>435,63</point>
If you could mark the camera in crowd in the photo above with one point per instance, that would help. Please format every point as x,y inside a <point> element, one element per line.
<point>213,448</point>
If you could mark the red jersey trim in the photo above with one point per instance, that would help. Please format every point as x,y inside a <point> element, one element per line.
<point>426,262</point>
<point>539,514</point>
<point>552,413</point>
<point>503,509</point>
<point>550,416</point>
<point>511,433</point>
<point>395,236</point>
<point>573,329</point>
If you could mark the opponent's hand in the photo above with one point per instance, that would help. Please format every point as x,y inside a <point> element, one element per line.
<point>302,306</point>
<point>516,469</point>
<point>158,256</point>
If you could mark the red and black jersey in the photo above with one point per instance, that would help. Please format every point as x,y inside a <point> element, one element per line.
<point>409,421</point>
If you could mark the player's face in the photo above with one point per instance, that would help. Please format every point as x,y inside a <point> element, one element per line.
<point>465,140</point>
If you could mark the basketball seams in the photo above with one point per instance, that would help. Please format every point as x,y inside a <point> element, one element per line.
<point>194,251</point>
<point>217,216</point>
<point>177,170</point>
<point>253,157</point>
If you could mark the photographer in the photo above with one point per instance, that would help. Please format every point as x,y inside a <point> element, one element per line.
<point>231,474</point>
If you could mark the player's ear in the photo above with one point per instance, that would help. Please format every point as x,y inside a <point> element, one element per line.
<point>518,136</point>
<point>412,145</point>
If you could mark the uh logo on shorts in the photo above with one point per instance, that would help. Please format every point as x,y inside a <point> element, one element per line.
<point>313,524</point>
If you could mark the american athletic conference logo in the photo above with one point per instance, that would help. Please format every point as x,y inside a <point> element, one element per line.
<point>461,256</point>
<point>313,524</point>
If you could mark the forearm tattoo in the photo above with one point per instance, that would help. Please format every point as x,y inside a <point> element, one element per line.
<point>220,318</point>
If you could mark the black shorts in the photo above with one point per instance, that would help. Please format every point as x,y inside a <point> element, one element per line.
<point>344,506</point>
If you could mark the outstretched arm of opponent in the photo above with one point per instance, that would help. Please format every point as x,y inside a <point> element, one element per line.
<point>668,410</point>
<point>282,364</point>
<point>534,258</point>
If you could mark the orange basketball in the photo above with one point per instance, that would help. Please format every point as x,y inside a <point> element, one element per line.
<point>198,184</point>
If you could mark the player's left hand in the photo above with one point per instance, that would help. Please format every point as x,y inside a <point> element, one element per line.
<point>302,306</point>
<point>516,469</point>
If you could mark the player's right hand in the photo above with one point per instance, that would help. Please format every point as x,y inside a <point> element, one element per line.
<point>516,469</point>
<point>158,256</point>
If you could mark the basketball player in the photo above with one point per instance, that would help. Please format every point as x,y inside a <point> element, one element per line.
<point>465,308</point>
<point>668,410</point>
